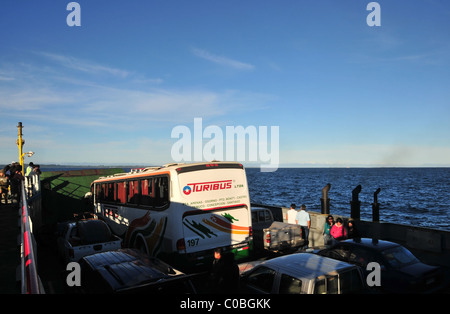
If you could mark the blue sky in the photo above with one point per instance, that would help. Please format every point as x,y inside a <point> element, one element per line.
<point>112,90</point>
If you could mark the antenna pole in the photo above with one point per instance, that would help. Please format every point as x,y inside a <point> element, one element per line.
<point>20,143</point>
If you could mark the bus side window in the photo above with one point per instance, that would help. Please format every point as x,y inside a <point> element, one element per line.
<point>133,192</point>
<point>121,192</point>
<point>104,192</point>
<point>146,192</point>
<point>161,191</point>
<point>111,192</point>
<point>99,192</point>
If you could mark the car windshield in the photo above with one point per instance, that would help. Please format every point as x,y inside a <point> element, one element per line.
<point>399,257</point>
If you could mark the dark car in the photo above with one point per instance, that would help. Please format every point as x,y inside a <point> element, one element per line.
<point>130,271</point>
<point>400,270</point>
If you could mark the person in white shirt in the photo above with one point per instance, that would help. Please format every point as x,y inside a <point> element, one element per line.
<point>291,215</point>
<point>304,221</point>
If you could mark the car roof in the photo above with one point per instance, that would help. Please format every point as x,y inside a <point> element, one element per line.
<point>126,268</point>
<point>370,243</point>
<point>307,265</point>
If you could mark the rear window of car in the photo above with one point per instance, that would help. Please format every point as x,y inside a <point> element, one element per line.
<point>261,216</point>
<point>399,256</point>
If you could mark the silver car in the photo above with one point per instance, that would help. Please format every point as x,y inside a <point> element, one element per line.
<point>301,273</point>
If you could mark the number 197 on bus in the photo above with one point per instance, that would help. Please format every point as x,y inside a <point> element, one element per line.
<point>193,242</point>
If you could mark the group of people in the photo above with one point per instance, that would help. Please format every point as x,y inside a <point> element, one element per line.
<point>333,231</point>
<point>32,169</point>
<point>11,177</point>
<point>337,231</point>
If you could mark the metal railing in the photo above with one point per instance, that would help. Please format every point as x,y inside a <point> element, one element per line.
<point>30,282</point>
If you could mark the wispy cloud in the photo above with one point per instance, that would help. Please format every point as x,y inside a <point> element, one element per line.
<point>84,66</point>
<point>77,110</point>
<point>48,90</point>
<point>222,60</point>
<point>5,78</point>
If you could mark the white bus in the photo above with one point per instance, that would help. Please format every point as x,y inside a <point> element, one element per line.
<point>179,212</point>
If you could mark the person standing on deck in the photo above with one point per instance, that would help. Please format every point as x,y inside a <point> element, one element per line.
<point>304,221</point>
<point>291,215</point>
<point>16,181</point>
<point>29,169</point>
<point>4,184</point>
<point>224,274</point>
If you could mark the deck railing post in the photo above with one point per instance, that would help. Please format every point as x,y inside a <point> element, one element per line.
<point>376,206</point>
<point>355,204</point>
<point>324,200</point>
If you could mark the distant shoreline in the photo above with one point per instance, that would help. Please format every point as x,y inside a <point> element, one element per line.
<point>89,166</point>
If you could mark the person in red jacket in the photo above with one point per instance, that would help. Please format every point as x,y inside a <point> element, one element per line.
<point>338,231</point>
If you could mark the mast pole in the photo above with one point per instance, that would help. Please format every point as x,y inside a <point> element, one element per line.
<point>20,143</point>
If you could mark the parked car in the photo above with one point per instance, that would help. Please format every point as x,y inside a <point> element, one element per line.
<point>271,235</point>
<point>131,271</point>
<point>401,271</point>
<point>85,237</point>
<point>301,273</point>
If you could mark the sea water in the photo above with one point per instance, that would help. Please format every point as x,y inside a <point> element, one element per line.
<point>411,196</point>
